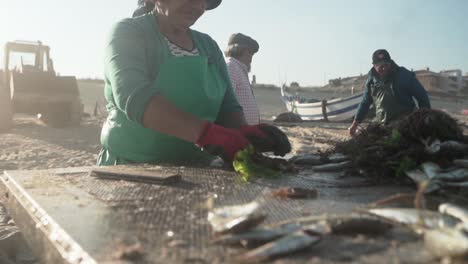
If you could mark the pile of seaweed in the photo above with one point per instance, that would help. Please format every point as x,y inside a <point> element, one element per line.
<point>387,151</point>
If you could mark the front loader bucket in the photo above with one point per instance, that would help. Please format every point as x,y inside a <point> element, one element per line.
<point>56,99</point>
<point>6,114</point>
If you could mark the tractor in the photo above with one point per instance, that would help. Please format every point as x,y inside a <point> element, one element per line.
<point>33,87</point>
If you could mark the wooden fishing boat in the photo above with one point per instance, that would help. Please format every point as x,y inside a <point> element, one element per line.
<point>338,109</point>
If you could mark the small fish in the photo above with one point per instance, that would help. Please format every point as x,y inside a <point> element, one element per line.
<point>332,166</point>
<point>446,242</point>
<point>417,176</point>
<point>337,157</point>
<point>351,224</point>
<point>454,184</point>
<point>289,244</point>
<point>235,218</point>
<point>430,169</point>
<point>415,218</point>
<point>308,159</point>
<point>461,162</point>
<point>455,175</point>
<point>455,211</point>
<point>453,146</point>
<point>257,236</point>
<point>358,224</point>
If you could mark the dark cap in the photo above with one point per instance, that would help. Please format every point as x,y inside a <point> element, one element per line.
<point>212,4</point>
<point>243,41</point>
<point>381,56</point>
<point>146,6</point>
<point>143,8</point>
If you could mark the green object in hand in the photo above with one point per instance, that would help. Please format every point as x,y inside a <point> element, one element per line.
<point>248,168</point>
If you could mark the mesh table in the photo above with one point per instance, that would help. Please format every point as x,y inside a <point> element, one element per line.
<point>68,216</point>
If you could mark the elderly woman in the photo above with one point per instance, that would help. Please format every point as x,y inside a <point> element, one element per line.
<point>169,94</point>
<point>239,53</point>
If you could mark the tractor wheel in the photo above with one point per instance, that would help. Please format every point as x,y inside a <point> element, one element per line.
<point>6,112</point>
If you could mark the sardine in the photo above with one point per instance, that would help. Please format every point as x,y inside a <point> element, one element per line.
<point>337,157</point>
<point>415,218</point>
<point>453,146</point>
<point>446,242</point>
<point>455,211</point>
<point>450,145</point>
<point>257,236</point>
<point>289,244</point>
<point>308,159</point>
<point>430,169</point>
<point>332,166</point>
<point>351,224</point>
<point>417,176</point>
<point>454,184</point>
<point>236,218</point>
<point>461,162</point>
<point>359,224</point>
<point>455,175</point>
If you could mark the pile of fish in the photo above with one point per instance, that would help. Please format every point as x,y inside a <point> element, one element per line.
<point>444,232</point>
<point>436,178</point>
<point>385,152</point>
<point>239,225</point>
<point>454,177</point>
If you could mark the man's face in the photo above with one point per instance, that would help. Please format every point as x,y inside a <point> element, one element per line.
<point>383,69</point>
<point>183,13</point>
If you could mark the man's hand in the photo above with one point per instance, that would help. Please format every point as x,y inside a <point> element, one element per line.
<point>267,138</point>
<point>221,141</point>
<point>352,129</point>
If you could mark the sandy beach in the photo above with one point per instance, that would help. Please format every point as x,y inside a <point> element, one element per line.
<point>32,145</point>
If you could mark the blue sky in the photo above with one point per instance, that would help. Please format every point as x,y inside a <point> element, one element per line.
<point>307,41</point>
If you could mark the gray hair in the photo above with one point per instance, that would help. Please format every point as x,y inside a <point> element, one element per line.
<point>235,50</point>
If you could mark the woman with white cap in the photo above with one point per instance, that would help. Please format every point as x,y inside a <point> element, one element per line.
<point>169,94</point>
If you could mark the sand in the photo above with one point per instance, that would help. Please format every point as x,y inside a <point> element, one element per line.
<point>32,145</point>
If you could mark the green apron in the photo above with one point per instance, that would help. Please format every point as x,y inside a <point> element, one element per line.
<point>192,84</point>
<point>387,106</point>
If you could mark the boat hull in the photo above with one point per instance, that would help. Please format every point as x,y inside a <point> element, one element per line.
<point>338,109</point>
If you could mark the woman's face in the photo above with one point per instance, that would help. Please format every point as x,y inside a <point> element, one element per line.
<point>182,13</point>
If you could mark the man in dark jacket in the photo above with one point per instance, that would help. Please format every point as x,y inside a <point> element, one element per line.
<point>392,89</point>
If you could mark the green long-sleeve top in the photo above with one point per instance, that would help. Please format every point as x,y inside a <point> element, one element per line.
<point>135,51</point>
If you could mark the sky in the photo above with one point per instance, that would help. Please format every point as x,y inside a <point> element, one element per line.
<point>306,41</point>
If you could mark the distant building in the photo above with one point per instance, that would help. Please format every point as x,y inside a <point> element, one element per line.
<point>445,82</point>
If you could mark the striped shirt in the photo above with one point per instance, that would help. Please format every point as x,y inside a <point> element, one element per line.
<point>238,72</point>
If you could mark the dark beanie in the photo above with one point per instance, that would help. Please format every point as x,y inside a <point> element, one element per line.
<point>143,8</point>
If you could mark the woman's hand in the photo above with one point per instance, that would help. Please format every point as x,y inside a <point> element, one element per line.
<point>221,141</point>
<point>267,138</point>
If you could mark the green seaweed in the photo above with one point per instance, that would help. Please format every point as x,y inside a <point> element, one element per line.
<point>248,169</point>
<point>394,140</point>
